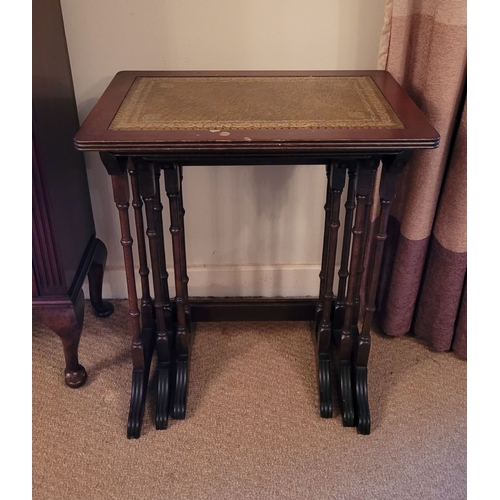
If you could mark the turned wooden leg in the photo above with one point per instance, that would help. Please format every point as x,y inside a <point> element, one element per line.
<point>345,344</point>
<point>146,300</point>
<point>185,278</point>
<point>101,308</point>
<point>391,167</point>
<point>116,167</point>
<point>370,166</point>
<point>344,388</point>
<point>350,205</point>
<point>158,209</point>
<point>324,256</point>
<point>323,340</point>
<point>183,335</point>
<point>67,320</point>
<point>166,367</point>
<point>164,341</point>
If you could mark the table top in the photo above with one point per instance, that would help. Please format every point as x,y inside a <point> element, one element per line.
<point>166,111</point>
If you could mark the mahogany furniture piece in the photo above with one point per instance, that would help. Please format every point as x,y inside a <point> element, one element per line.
<point>65,248</point>
<point>149,123</point>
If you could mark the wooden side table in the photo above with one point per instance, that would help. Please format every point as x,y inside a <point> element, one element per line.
<point>149,122</point>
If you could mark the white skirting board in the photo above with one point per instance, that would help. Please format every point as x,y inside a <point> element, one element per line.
<point>229,281</point>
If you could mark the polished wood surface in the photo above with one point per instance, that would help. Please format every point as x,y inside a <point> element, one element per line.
<point>96,134</point>
<point>159,122</point>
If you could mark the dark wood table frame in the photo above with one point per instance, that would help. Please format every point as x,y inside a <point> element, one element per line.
<point>135,160</point>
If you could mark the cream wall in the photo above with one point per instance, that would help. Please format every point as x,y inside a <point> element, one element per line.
<point>251,231</point>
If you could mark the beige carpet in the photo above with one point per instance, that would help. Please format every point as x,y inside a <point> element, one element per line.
<point>253,429</point>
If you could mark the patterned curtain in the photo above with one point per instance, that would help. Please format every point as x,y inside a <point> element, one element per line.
<point>423,280</point>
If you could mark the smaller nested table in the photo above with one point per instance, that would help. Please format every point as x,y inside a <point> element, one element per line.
<point>149,122</point>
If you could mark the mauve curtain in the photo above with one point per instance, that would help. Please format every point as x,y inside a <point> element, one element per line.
<point>423,279</point>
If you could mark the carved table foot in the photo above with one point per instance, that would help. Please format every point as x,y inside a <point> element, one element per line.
<point>106,310</point>
<point>343,368</point>
<point>138,392</point>
<point>181,386</point>
<point>360,381</point>
<point>66,320</point>
<point>76,378</point>
<point>137,398</point>
<point>325,386</point>
<point>163,395</point>
<point>324,367</point>
<point>346,394</point>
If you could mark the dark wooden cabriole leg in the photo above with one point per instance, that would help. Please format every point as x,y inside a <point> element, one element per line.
<point>324,335</point>
<point>141,348</point>
<point>345,342</point>
<point>391,167</point>
<point>67,321</point>
<point>164,341</point>
<point>183,335</point>
<point>101,308</point>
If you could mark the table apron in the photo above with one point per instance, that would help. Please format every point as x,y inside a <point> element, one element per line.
<point>193,159</point>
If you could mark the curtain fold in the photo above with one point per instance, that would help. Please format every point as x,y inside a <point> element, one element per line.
<point>422,285</point>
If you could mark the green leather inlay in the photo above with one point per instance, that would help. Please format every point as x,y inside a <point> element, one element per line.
<point>246,103</point>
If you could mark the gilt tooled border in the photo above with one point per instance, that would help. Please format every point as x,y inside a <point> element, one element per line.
<point>129,114</point>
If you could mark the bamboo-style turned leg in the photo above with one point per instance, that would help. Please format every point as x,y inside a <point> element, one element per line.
<point>391,167</point>
<point>324,256</point>
<point>116,167</point>
<point>147,313</point>
<point>370,166</point>
<point>350,205</point>
<point>146,300</point>
<point>158,209</point>
<point>363,190</point>
<point>183,335</point>
<point>166,369</point>
<point>185,278</point>
<point>164,341</point>
<point>139,382</point>
<point>323,343</point>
